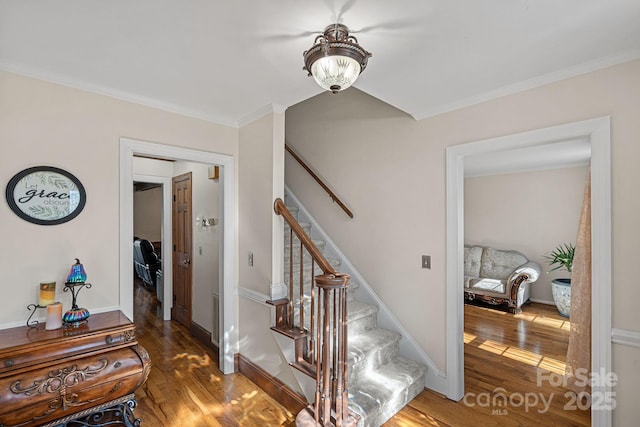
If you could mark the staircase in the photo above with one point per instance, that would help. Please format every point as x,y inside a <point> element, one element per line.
<point>380,380</point>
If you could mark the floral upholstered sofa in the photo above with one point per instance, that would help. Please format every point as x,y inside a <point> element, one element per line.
<point>498,277</point>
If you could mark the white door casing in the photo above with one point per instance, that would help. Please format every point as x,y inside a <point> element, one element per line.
<point>597,132</point>
<point>229,275</point>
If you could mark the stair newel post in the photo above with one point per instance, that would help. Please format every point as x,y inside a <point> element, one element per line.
<point>337,354</point>
<point>334,347</point>
<point>318,396</point>
<point>344,393</point>
<point>334,350</point>
<point>325,367</point>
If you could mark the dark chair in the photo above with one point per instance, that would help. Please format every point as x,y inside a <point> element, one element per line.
<point>146,262</point>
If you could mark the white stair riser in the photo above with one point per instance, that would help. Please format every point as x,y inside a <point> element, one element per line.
<point>362,324</point>
<point>374,359</point>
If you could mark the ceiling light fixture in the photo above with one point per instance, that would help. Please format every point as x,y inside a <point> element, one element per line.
<point>336,59</point>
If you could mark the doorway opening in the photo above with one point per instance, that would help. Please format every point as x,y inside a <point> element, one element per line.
<point>227,337</point>
<point>597,133</point>
<point>516,217</point>
<point>156,229</point>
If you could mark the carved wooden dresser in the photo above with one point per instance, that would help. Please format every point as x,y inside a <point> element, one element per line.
<point>73,376</point>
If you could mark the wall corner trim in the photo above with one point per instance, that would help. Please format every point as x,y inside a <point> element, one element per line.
<point>278,291</point>
<point>256,115</point>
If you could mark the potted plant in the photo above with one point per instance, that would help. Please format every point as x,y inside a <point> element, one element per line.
<point>561,258</point>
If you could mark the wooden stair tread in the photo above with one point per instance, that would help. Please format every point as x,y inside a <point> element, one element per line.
<point>305,367</point>
<point>293,333</point>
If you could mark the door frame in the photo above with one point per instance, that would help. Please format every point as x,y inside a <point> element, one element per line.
<point>228,340</point>
<point>598,132</point>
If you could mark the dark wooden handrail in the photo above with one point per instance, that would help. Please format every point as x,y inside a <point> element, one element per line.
<point>320,349</point>
<point>319,181</point>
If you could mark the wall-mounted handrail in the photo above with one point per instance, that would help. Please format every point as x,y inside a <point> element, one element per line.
<point>319,181</point>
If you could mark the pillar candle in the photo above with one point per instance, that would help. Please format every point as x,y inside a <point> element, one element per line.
<point>47,293</point>
<point>54,316</point>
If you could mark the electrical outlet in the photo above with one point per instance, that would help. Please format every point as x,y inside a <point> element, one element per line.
<point>250,259</point>
<point>426,261</point>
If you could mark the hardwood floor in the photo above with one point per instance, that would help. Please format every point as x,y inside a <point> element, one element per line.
<point>186,389</point>
<point>518,356</point>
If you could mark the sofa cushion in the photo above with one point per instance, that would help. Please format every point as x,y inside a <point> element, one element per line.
<point>492,285</point>
<point>472,257</point>
<point>498,264</point>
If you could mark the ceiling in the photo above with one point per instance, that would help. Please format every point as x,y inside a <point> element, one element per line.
<point>230,61</point>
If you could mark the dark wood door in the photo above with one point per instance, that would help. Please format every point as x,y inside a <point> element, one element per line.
<point>182,247</point>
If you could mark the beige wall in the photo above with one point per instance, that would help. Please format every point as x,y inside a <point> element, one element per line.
<point>48,124</point>
<point>530,212</point>
<point>391,176</point>
<point>390,170</point>
<point>259,181</point>
<point>147,214</point>
<point>255,181</point>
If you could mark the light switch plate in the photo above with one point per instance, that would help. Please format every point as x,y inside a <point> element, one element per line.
<point>426,261</point>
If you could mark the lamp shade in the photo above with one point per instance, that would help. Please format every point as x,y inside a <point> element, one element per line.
<point>335,73</point>
<point>77,273</point>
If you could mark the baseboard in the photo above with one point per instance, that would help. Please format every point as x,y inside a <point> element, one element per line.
<point>275,388</point>
<point>204,336</point>
<point>541,301</point>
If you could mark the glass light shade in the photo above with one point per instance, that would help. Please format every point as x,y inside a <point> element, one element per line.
<point>335,73</point>
<point>77,273</point>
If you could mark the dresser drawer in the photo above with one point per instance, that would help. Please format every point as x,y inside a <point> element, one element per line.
<point>46,352</point>
<point>36,396</point>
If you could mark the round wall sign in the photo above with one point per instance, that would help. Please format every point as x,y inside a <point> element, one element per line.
<point>46,195</point>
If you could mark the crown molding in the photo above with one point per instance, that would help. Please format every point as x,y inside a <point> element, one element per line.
<point>258,114</point>
<point>533,83</point>
<point>117,94</point>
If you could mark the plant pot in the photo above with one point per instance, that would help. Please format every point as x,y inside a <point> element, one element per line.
<point>561,289</point>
